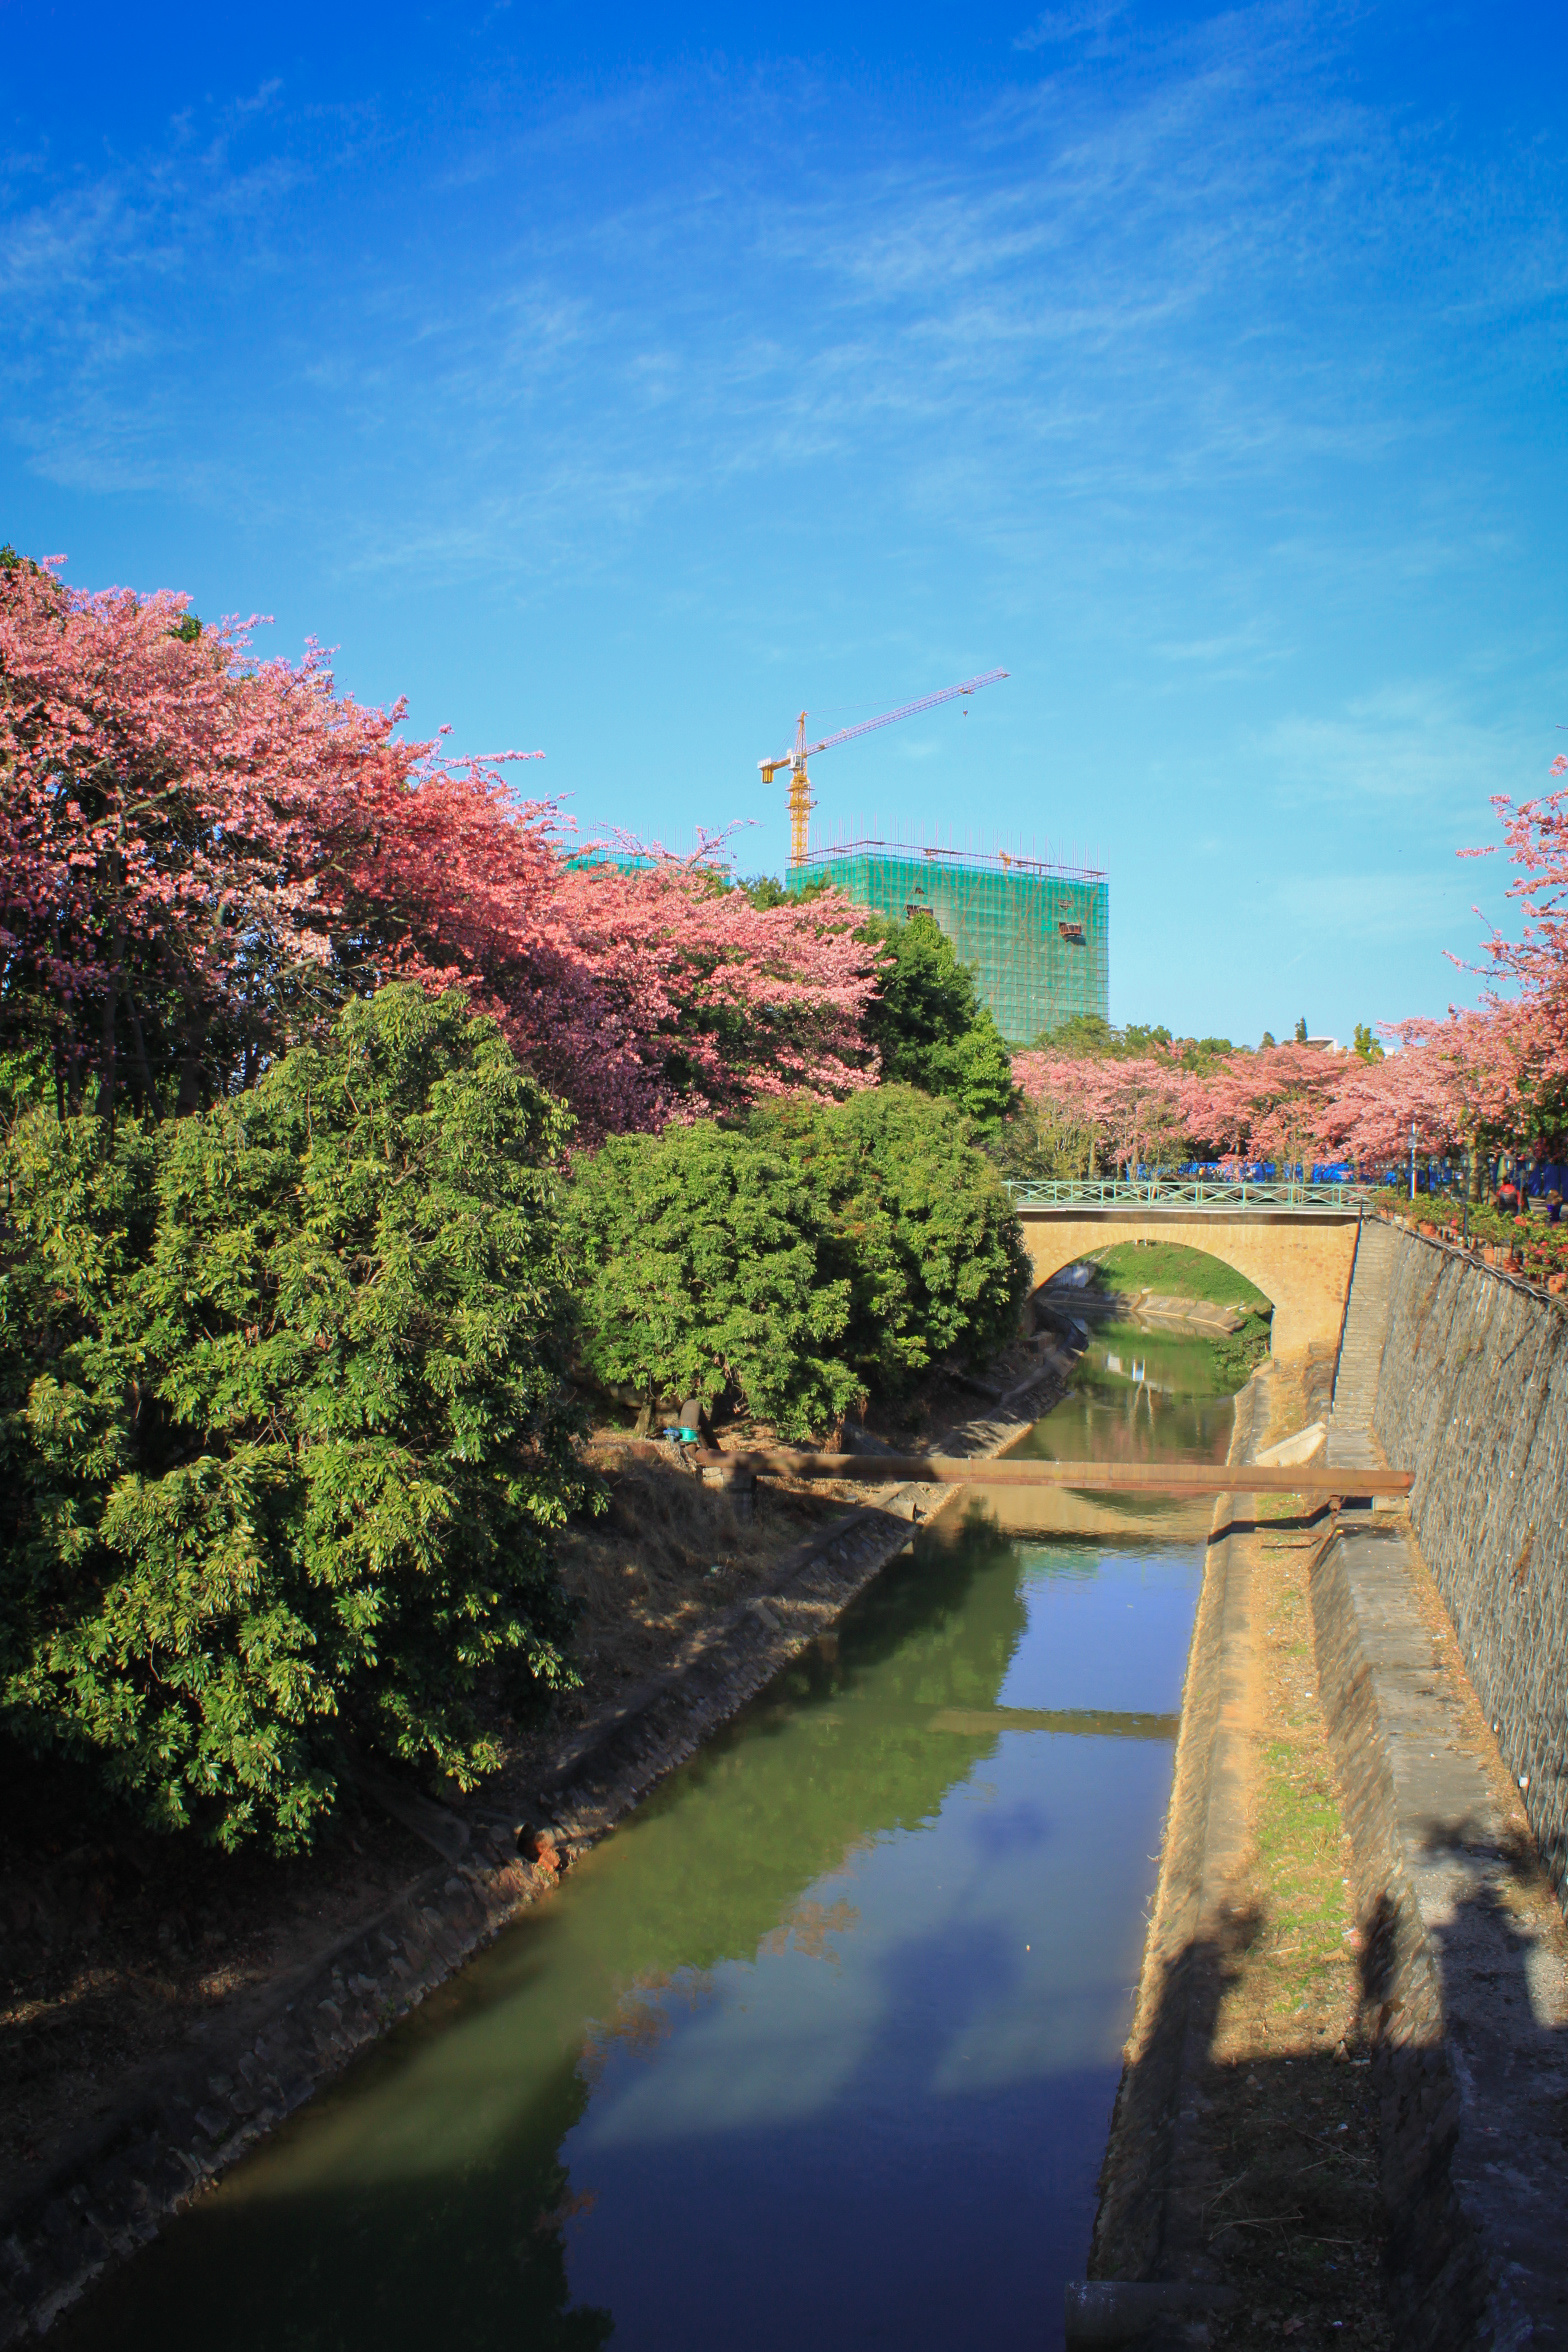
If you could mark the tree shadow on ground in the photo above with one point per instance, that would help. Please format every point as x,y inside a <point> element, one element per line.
<point>1332,2194</point>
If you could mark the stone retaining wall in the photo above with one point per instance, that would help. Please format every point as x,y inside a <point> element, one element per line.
<point>1473,1396</point>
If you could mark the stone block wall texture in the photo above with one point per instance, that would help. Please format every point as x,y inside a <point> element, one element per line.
<point>1473,1397</point>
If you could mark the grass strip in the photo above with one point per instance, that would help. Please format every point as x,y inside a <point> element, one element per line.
<point>1297,2225</point>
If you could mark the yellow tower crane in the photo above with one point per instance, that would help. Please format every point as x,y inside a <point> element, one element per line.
<point>800,800</point>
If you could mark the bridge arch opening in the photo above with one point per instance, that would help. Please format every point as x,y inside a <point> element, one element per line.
<point>1179,1269</point>
<point>1300,1261</point>
<point>1163,1299</point>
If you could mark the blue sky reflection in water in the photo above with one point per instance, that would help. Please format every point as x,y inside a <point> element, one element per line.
<point>885,2126</point>
<point>822,2043</point>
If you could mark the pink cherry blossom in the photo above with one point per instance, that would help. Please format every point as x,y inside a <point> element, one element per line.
<point>200,852</point>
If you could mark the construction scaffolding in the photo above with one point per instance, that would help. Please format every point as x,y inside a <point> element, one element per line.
<point>1036,936</point>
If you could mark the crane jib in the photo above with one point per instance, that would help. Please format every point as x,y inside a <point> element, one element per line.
<point>795,759</point>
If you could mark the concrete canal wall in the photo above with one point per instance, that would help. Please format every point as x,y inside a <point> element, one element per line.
<point>1442,1661</point>
<point>1473,1396</point>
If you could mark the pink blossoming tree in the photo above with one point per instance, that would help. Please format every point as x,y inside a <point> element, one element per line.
<point>201,855</point>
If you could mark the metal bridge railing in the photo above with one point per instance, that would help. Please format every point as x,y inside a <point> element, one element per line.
<point>1183,1192</point>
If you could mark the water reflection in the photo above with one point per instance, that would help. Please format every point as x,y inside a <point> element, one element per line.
<point>1137,1395</point>
<point>821,2044</point>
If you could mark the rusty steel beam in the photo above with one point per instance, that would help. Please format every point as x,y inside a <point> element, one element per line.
<point>1176,1478</point>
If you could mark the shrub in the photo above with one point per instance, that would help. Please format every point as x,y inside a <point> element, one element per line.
<point>284,1423</point>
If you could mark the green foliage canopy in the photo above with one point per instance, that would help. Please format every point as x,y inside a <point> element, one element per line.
<point>1093,1037</point>
<point>791,1267</point>
<point>698,1274</point>
<point>918,1223</point>
<point>284,1422</point>
<point>927,1020</point>
<point>1043,1141</point>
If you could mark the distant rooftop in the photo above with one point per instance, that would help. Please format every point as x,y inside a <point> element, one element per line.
<point>985,861</point>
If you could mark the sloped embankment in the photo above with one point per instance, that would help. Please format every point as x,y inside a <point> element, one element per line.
<point>186,2116</point>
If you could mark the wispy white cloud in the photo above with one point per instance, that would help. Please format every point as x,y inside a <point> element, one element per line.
<point>1088,313</point>
<point>1054,27</point>
<point>1396,905</point>
<point>1417,744</point>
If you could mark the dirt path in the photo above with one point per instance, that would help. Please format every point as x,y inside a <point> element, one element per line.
<point>1280,2187</point>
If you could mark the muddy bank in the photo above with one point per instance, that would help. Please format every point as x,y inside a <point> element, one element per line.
<point>190,2111</point>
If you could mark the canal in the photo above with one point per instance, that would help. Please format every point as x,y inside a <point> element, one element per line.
<point>821,2045</point>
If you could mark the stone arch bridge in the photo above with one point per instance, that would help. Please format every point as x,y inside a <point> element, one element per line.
<point>1297,1243</point>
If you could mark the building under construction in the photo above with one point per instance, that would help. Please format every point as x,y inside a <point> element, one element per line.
<point>1036,936</point>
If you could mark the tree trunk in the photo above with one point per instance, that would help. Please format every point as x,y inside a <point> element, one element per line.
<point>106,1034</point>
<point>148,1092</point>
<point>189,1098</point>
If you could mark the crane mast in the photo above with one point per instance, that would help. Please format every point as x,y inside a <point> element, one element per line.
<point>800,800</point>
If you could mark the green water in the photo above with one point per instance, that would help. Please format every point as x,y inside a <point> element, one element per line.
<point>820,2046</point>
<point>1138,1394</point>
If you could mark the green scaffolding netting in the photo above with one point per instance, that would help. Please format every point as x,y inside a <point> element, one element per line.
<point>1037,937</point>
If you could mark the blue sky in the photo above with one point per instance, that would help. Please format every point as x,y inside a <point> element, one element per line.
<point>620,381</point>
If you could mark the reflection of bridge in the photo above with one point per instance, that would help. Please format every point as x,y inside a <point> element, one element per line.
<point>1295,1242</point>
<point>1079,1722</point>
<point>986,1722</point>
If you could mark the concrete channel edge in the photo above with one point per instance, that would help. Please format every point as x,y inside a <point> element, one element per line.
<point>1137,2241</point>
<point>1465,2001</point>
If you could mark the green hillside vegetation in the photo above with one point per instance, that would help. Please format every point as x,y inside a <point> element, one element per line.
<point>1174,1271</point>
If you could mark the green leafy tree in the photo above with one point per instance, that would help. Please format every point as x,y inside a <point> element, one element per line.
<point>917,1222</point>
<point>285,1425</point>
<point>1301,1030</point>
<point>823,1252</point>
<point>699,1275</point>
<point>1082,1034</point>
<point>1366,1046</point>
<point>928,1023</point>
<point>766,891</point>
<point>1090,1036</point>
<point>1042,1142</point>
